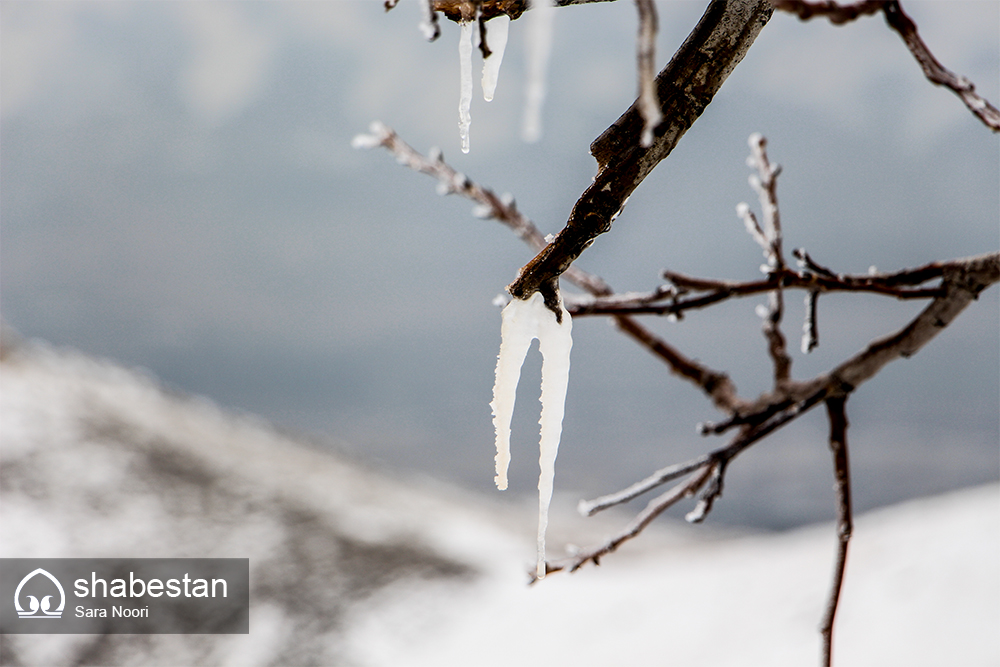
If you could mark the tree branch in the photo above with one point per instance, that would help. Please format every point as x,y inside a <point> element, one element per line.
<point>685,87</point>
<point>837,413</point>
<point>897,19</point>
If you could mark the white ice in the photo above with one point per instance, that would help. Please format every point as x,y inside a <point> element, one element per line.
<point>496,38</point>
<point>539,46</point>
<point>468,29</point>
<point>523,321</point>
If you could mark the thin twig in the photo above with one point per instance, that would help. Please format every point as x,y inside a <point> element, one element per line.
<point>592,507</point>
<point>838,14</point>
<point>765,183</point>
<point>897,19</point>
<point>835,406</point>
<point>655,507</point>
<point>937,73</point>
<point>810,325</point>
<point>647,303</point>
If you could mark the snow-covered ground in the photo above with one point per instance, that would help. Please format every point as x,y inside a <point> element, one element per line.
<point>350,566</point>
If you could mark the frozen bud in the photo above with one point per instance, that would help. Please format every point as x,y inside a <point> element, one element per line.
<point>482,211</point>
<point>762,311</point>
<point>743,209</point>
<point>363,141</point>
<point>756,139</point>
<point>507,199</point>
<point>549,238</point>
<point>435,155</point>
<point>873,270</point>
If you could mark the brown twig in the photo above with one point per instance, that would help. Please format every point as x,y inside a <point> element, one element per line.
<point>716,291</point>
<point>836,13</point>
<point>897,19</point>
<point>835,406</point>
<point>935,72</point>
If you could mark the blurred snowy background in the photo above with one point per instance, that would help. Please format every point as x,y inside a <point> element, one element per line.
<point>350,567</point>
<point>179,194</point>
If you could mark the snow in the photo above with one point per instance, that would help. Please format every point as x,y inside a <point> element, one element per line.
<point>466,35</point>
<point>538,44</point>
<point>325,538</point>
<point>524,321</point>
<point>496,38</point>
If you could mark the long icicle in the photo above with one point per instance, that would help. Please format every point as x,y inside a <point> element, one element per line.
<point>468,28</point>
<point>539,46</point>
<point>522,322</point>
<point>499,27</point>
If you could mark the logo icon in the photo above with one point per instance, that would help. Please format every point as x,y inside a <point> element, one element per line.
<point>36,608</point>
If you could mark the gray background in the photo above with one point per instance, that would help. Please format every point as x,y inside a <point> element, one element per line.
<point>179,193</point>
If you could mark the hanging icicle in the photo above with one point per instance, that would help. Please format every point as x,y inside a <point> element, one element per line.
<point>538,42</point>
<point>523,321</point>
<point>468,29</point>
<point>497,37</point>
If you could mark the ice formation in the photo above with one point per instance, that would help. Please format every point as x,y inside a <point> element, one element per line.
<point>523,321</point>
<point>496,38</point>
<point>465,39</point>
<point>539,46</point>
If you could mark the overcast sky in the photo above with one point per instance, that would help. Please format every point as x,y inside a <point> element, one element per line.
<point>179,193</point>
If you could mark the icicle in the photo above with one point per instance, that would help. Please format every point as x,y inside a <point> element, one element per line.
<point>539,46</point>
<point>497,37</point>
<point>465,68</point>
<point>523,321</point>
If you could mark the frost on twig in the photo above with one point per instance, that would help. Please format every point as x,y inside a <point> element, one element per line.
<point>899,21</point>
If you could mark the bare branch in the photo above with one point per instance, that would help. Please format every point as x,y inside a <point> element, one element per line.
<point>658,478</point>
<point>835,406</point>
<point>655,507</point>
<point>962,281</point>
<point>715,384</point>
<point>460,10</point>
<point>685,87</point>
<point>765,183</point>
<point>810,327</point>
<point>648,303</point>
<point>897,19</point>
<point>838,14</point>
<point>935,72</point>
